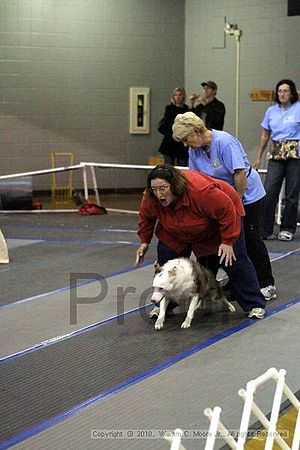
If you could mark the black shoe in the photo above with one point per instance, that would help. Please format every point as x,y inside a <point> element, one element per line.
<point>269,237</point>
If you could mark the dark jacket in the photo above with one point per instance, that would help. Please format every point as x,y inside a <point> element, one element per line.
<point>168,145</point>
<point>212,114</point>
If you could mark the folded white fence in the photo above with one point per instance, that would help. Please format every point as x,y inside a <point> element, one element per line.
<point>217,429</point>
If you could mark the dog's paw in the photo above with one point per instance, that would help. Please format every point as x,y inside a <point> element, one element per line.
<point>154,312</point>
<point>186,323</point>
<point>228,304</point>
<point>159,324</point>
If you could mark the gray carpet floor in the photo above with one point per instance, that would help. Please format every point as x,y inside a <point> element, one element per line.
<point>79,352</point>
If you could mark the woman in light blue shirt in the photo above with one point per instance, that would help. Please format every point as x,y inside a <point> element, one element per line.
<point>222,156</point>
<point>281,123</point>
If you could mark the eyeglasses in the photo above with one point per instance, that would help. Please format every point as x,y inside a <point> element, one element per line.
<point>162,189</point>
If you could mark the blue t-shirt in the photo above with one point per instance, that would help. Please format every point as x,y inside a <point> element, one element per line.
<point>284,124</point>
<point>226,155</point>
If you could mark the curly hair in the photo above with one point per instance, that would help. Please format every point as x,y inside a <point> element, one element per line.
<point>173,176</point>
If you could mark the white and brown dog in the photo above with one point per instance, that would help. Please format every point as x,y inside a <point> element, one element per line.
<point>182,280</point>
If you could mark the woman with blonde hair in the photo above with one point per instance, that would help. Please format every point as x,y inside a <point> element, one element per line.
<point>174,152</point>
<point>221,155</point>
<point>189,211</point>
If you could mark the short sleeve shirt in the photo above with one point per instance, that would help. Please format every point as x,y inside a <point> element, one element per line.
<point>227,155</point>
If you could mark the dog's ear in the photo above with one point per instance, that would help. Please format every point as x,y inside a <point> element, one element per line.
<point>157,268</point>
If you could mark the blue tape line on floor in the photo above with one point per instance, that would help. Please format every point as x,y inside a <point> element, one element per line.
<point>136,379</point>
<point>46,294</point>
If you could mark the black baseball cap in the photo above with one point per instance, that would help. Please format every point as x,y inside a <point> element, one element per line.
<point>211,84</point>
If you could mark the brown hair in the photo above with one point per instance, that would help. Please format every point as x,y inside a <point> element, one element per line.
<point>294,93</point>
<point>173,176</point>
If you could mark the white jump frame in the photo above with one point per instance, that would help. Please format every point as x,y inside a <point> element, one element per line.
<point>217,427</point>
<point>250,407</point>
<point>84,165</point>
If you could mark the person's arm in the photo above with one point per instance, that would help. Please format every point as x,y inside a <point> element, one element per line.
<point>226,254</point>
<point>140,253</point>
<point>164,123</point>
<point>147,221</point>
<point>192,100</point>
<point>240,181</point>
<point>217,205</point>
<point>215,115</point>
<point>264,139</point>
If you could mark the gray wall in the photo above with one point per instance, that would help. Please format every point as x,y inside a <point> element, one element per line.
<point>66,69</point>
<point>67,66</point>
<point>269,51</point>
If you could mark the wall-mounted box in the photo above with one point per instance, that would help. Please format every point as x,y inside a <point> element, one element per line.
<point>139,110</point>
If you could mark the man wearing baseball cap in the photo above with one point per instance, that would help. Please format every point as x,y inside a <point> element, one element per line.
<point>209,108</point>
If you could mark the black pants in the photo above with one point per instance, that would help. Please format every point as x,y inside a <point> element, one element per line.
<point>255,246</point>
<point>278,171</point>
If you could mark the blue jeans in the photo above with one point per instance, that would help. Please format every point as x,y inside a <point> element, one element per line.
<point>242,275</point>
<point>278,171</point>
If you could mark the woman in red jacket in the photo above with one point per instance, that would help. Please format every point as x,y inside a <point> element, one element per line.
<point>190,211</point>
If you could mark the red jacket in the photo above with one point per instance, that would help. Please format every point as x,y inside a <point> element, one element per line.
<point>208,214</point>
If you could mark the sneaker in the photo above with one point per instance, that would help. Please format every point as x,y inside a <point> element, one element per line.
<point>285,236</point>
<point>269,292</point>
<point>257,313</point>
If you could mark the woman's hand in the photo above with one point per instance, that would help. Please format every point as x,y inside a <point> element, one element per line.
<point>264,139</point>
<point>226,254</point>
<point>257,163</point>
<point>140,253</point>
